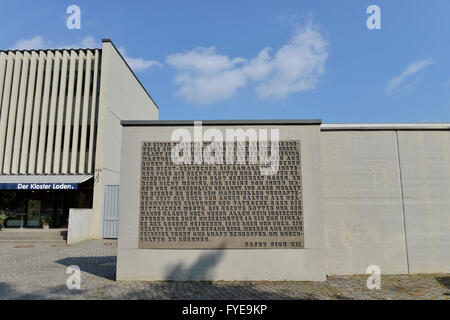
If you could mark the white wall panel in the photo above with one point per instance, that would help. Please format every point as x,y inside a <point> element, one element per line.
<point>85,112</point>
<point>76,114</point>
<point>3,57</point>
<point>12,114</point>
<point>94,110</point>
<point>36,113</point>
<point>387,200</point>
<point>425,164</point>
<point>20,113</point>
<point>69,108</point>
<point>52,113</point>
<point>61,111</point>
<point>362,202</point>
<point>121,97</point>
<point>44,113</point>
<point>5,106</point>
<point>28,115</point>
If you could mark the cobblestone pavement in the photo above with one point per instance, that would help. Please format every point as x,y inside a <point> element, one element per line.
<point>39,272</point>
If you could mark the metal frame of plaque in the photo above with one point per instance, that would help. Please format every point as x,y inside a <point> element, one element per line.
<point>219,206</point>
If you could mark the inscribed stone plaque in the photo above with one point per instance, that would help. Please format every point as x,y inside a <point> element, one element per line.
<point>218,206</point>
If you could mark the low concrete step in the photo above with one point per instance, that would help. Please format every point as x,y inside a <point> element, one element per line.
<point>32,232</point>
<point>18,235</point>
<point>32,237</point>
<point>33,242</point>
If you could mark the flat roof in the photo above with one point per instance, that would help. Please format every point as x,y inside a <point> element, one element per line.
<point>169,123</point>
<point>52,50</point>
<point>384,126</point>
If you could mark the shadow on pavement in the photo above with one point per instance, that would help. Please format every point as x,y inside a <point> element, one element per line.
<point>444,281</point>
<point>104,267</point>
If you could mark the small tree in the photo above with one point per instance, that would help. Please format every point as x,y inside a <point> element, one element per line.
<point>3,217</point>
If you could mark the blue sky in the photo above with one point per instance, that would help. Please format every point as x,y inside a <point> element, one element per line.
<point>264,59</point>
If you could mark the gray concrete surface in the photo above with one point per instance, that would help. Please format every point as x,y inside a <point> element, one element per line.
<point>121,98</point>
<point>362,202</point>
<point>248,264</point>
<point>39,272</point>
<point>81,225</point>
<point>425,164</point>
<point>386,199</point>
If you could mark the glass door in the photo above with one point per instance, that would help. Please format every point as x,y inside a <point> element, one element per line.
<point>34,213</point>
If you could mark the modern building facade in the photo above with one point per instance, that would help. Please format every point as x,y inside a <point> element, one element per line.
<point>60,133</point>
<point>375,193</point>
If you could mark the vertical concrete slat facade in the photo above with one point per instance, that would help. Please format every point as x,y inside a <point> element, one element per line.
<point>69,108</point>
<point>20,113</point>
<point>3,58</point>
<point>36,113</point>
<point>85,112</point>
<point>50,109</point>
<point>12,114</point>
<point>94,107</point>
<point>76,114</point>
<point>28,115</point>
<point>61,111</point>
<point>44,113</point>
<point>5,106</point>
<point>52,113</point>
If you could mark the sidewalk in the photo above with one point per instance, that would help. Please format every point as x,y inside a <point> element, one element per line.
<point>39,272</point>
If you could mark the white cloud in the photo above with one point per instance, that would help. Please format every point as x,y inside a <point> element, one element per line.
<point>28,44</point>
<point>87,42</point>
<point>138,64</point>
<point>39,42</point>
<point>206,77</point>
<point>297,66</point>
<point>400,81</point>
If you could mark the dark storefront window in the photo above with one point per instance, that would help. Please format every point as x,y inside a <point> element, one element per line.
<point>26,207</point>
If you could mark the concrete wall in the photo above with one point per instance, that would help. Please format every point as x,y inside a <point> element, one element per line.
<point>386,200</point>
<point>81,225</point>
<point>228,264</point>
<point>122,97</point>
<point>372,196</point>
<point>362,202</point>
<point>425,166</point>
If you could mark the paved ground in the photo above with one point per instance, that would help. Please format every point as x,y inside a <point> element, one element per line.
<point>38,272</point>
